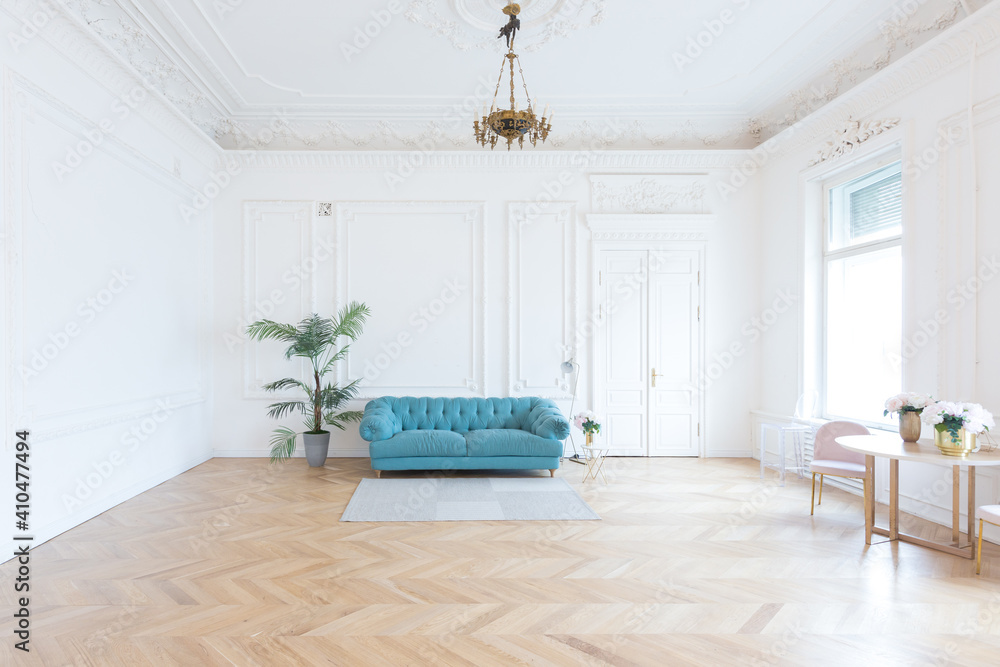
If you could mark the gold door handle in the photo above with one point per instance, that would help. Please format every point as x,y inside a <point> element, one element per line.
<point>656,375</point>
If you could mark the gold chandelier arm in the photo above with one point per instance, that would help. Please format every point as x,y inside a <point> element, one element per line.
<point>496,92</point>
<point>513,103</point>
<point>523,82</point>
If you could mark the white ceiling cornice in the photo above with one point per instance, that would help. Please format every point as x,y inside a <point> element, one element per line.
<point>66,32</point>
<point>609,160</point>
<point>896,38</point>
<point>153,39</point>
<point>935,58</point>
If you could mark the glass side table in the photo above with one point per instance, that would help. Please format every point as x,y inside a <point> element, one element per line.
<point>594,456</point>
<point>797,433</point>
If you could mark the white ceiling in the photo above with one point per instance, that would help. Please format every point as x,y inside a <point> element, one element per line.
<point>256,73</point>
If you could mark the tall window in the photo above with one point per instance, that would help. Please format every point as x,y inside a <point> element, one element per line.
<point>864,287</point>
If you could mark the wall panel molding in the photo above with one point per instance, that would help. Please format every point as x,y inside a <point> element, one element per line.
<point>521,215</point>
<point>253,218</point>
<point>125,413</point>
<point>473,382</point>
<point>959,222</point>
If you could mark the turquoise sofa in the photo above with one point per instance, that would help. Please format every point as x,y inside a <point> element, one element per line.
<point>464,433</point>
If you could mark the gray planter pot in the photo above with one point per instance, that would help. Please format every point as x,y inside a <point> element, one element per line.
<point>317,445</point>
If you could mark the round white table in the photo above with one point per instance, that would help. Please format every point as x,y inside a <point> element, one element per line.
<point>892,447</point>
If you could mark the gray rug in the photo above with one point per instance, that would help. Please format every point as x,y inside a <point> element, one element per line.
<point>467,499</point>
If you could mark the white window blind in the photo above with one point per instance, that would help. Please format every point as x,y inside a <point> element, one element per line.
<point>877,207</point>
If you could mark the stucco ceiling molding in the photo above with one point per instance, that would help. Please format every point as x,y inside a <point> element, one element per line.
<point>72,34</point>
<point>541,21</point>
<point>944,53</point>
<point>897,36</point>
<point>676,161</point>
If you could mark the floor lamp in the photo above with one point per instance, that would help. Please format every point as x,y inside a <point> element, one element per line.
<point>572,367</point>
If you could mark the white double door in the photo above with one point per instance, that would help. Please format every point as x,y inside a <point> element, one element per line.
<point>649,351</point>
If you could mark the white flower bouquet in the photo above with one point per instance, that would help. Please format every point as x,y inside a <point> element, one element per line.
<point>952,417</point>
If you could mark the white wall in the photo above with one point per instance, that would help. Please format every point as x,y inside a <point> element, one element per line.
<point>946,237</point>
<point>107,290</point>
<point>523,291</point>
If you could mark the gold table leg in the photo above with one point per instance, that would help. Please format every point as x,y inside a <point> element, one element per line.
<point>869,497</point>
<point>955,548</point>
<point>956,492</point>
<point>893,499</point>
<point>972,507</point>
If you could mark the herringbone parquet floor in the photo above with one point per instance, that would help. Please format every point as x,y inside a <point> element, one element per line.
<point>696,562</point>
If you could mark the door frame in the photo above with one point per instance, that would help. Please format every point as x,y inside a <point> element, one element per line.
<point>653,232</point>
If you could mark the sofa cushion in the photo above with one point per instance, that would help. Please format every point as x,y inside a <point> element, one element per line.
<point>419,443</point>
<point>510,442</point>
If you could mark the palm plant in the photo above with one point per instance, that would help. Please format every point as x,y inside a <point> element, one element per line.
<point>314,338</point>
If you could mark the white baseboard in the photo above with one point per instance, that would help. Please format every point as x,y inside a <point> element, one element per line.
<point>46,533</point>
<point>299,453</point>
<point>729,454</point>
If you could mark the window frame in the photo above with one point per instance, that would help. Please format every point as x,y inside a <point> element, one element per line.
<point>867,168</point>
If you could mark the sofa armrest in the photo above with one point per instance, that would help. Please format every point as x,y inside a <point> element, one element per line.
<point>549,423</point>
<point>378,422</point>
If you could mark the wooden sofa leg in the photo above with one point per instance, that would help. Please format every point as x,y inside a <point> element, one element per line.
<point>552,473</point>
<point>378,474</point>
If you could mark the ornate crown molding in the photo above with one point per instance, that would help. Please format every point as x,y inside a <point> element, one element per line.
<point>935,58</point>
<point>69,28</point>
<point>117,25</point>
<point>904,32</point>
<point>136,41</point>
<point>577,160</point>
<point>449,129</point>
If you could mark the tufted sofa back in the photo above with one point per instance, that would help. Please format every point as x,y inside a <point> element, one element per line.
<point>538,415</point>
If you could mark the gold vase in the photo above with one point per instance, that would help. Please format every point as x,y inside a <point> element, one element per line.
<point>590,439</point>
<point>965,444</point>
<point>909,426</point>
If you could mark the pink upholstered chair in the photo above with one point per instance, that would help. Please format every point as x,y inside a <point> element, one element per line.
<point>989,514</point>
<point>829,458</point>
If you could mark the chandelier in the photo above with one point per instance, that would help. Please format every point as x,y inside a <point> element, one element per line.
<point>511,124</point>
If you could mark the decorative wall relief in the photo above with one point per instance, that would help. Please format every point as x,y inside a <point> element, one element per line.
<point>648,193</point>
<point>852,135</point>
